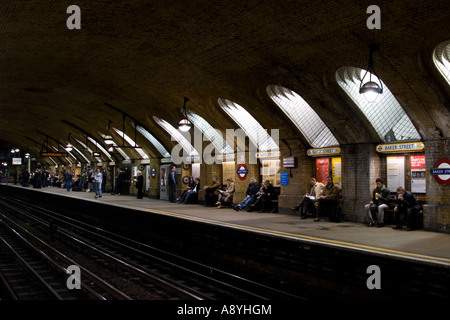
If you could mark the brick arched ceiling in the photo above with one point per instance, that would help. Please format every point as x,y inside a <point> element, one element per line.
<point>144,57</point>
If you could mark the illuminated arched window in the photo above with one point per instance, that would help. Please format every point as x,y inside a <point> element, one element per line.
<point>256,133</point>
<point>385,114</point>
<point>163,151</point>
<point>132,143</point>
<point>441,58</point>
<point>177,136</point>
<point>303,116</point>
<point>211,133</point>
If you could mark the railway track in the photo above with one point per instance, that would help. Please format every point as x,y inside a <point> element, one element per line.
<point>137,270</point>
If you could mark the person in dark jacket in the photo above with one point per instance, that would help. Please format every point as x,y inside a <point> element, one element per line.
<point>250,195</point>
<point>379,203</point>
<point>408,205</point>
<point>118,185</point>
<point>212,192</point>
<point>140,184</point>
<point>264,198</point>
<point>329,198</point>
<point>173,184</point>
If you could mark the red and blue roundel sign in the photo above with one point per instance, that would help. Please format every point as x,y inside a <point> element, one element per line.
<point>153,172</point>
<point>242,171</point>
<point>441,171</point>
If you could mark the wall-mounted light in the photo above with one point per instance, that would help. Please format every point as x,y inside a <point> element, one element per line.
<point>371,88</point>
<point>184,124</point>
<point>108,136</point>
<point>69,146</point>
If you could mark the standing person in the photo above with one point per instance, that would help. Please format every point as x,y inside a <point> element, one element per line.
<point>140,184</point>
<point>103,180</point>
<point>68,177</point>
<point>119,178</point>
<point>408,205</point>
<point>173,184</point>
<point>379,202</point>
<point>329,198</point>
<point>212,192</point>
<point>25,177</point>
<point>98,177</point>
<point>308,204</point>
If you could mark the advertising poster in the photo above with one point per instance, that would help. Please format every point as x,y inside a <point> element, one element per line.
<point>418,181</point>
<point>322,169</point>
<point>337,171</point>
<point>395,172</point>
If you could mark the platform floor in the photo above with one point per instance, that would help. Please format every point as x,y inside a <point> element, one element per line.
<point>432,247</point>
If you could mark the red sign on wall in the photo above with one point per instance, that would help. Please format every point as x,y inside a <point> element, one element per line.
<point>418,162</point>
<point>322,169</point>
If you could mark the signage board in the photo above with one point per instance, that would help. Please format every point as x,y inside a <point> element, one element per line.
<point>320,152</point>
<point>401,147</point>
<point>54,154</point>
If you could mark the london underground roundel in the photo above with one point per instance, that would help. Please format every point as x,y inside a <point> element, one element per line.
<point>441,171</point>
<point>153,172</point>
<point>242,171</point>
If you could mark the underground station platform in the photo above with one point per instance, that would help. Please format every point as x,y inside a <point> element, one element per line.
<point>316,259</point>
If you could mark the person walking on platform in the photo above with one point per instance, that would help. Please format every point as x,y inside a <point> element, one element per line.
<point>173,184</point>
<point>140,185</point>
<point>408,205</point>
<point>98,178</point>
<point>329,198</point>
<point>379,203</point>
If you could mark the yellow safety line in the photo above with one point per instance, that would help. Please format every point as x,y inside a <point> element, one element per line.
<point>296,235</point>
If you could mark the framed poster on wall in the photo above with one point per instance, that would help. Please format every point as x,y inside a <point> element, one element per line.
<point>336,164</point>
<point>395,172</point>
<point>418,181</point>
<point>322,169</point>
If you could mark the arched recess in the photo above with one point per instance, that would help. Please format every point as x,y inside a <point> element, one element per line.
<point>385,114</point>
<point>303,116</point>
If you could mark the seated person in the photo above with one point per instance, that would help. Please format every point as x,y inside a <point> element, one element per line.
<point>191,192</point>
<point>309,201</point>
<point>212,192</point>
<point>190,186</point>
<point>250,195</point>
<point>380,203</point>
<point>226,196</point>
<point>265,195</point>
<point>329,198</point>
<point>408,205</point>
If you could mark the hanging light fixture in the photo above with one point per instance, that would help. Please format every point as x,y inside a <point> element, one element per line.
<point>69,147</point>
<point>184,124</point>
<point>373,87</point>
<point>108,136</point>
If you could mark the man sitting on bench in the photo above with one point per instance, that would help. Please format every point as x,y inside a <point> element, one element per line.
<point>408,205</point>
<point>329,198</point>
